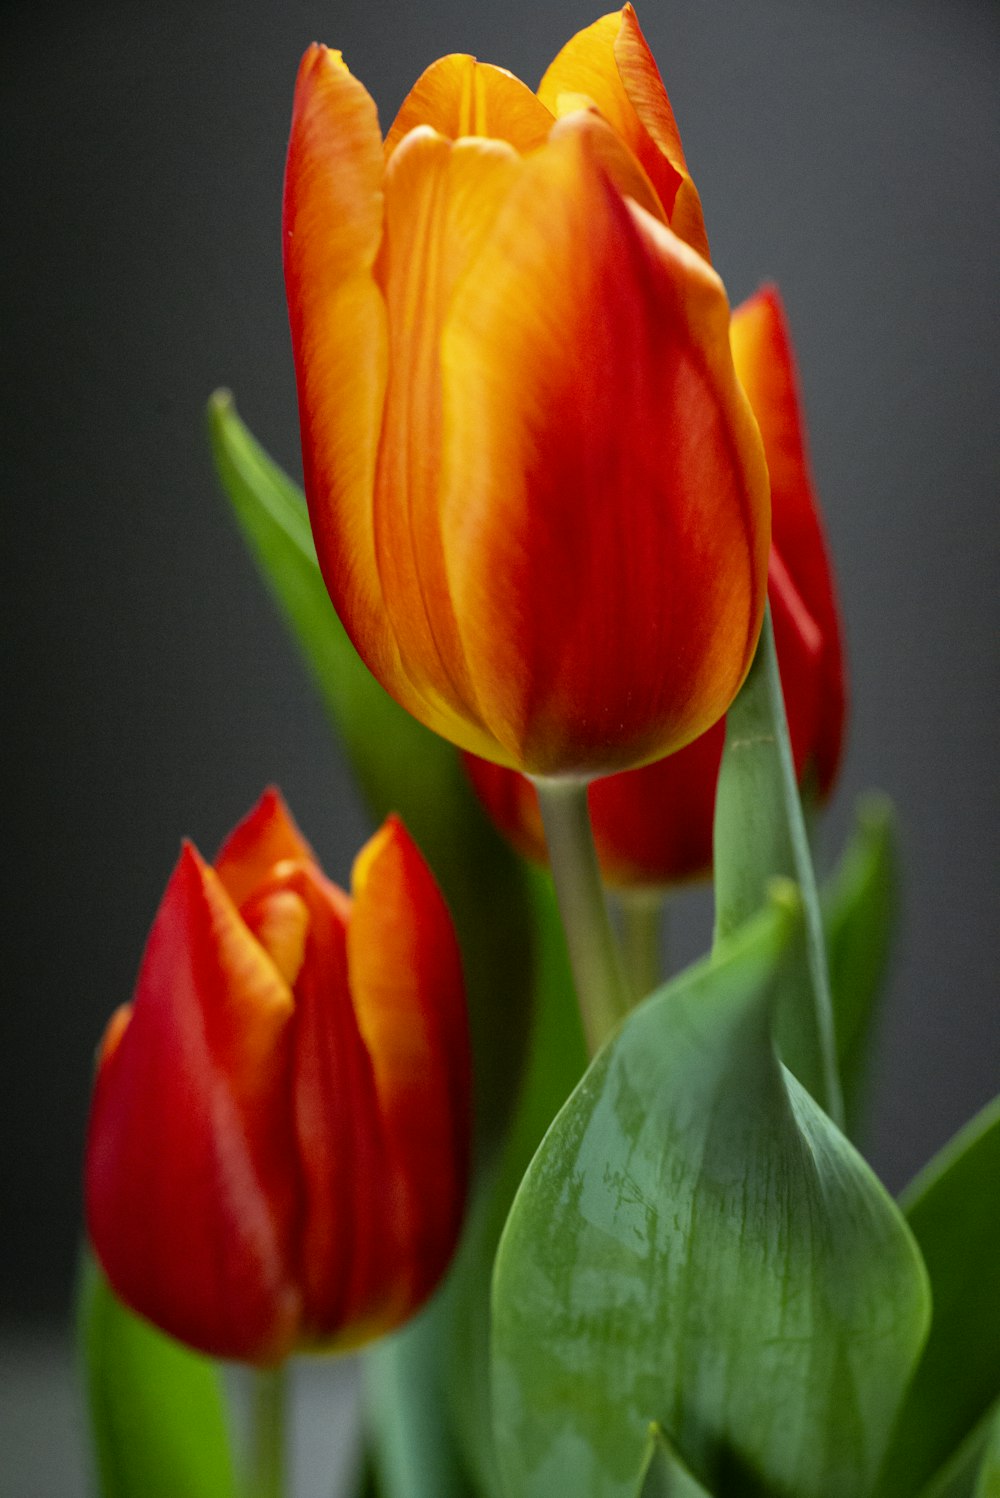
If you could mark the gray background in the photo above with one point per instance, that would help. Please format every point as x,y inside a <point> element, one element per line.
<point>850,152</point>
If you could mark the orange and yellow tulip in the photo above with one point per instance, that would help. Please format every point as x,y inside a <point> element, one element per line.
<point>537,489</point>
<point>278,1144</point>
<point>653,826</point>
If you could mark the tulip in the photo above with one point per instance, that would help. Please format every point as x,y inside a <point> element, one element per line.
<point>537,489</point>
<point>653,826</point>
<point>278,1143</point>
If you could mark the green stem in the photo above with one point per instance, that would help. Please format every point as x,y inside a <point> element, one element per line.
<point>601,988</point>
<point>270,1393</point>
<point>643,917</point>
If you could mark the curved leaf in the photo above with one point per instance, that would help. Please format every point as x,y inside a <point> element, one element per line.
<point>760,835</point>
<point>953,1208</point>
<point>696,1245</point>
<point>156,1409</point>
<point>860,903</point>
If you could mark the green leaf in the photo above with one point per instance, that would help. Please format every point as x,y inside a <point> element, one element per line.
<point>988,1485</point>
<point>695,1244</point>
<point>156,1409</point>
<point>667,1476</point>
<point>759,836</point>
<point>860,903</point>
<point>414,1452</point>
<point>959,1477</point>
<point>953,1208</point>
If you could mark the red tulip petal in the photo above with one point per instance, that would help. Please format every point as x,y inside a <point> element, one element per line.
<point>459,96</point>
<point>762,352</point>
<point>345,1263</point>
<point>610,63</point>
<point>653,826</point>
<point>190,1204</point>
<point>605,517</point>
<point>512,803</point>
<point>267,836</point>
<point>799,647</point>
<point>333,226</point>
<point>406,983</point>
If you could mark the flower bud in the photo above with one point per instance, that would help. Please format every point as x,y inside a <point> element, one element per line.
<point>537,489</point>
<point>278,1144</point>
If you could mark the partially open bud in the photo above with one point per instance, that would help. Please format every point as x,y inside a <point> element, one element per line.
<point>278,1145</point>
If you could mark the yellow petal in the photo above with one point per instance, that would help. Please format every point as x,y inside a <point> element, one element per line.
<point>459,96</point>
<point>442,199</point>
<point>611,64</point>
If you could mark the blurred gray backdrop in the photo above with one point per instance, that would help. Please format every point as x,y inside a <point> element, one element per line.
<point>849,151</point>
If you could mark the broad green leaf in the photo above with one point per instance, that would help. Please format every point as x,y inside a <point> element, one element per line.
<point>696,1245</point>
<point>759,836</point>
<point>400,765</point>
<point>860,905</point>
<point>157,1414</point>
<point>953,1208</point>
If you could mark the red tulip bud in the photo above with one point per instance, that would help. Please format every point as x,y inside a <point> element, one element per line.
<point>278,1143</point>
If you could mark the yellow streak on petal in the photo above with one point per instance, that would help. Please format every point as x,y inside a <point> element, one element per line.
<point>280,922</point>
<point>442,200</point>
<point>458,96</point>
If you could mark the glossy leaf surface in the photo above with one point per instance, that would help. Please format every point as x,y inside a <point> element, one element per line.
<point>156,1410</point>
<point>953,1208</point>
<point>695,1244</point>
<point>860,904</point>
<point>759,836</point>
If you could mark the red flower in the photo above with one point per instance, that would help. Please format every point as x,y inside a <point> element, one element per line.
<point>654,825</point>
<point>278,1143</point>
<point>537,490</point>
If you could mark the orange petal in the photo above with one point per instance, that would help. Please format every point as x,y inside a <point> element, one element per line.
<point>332,228</point>
<point>605,516</point>
<point>762,352</point>
<point>190,1203</point>
<point>406,984</point>
<point>610,63</point>
<point>459,96</point>
<point>442,199</point>
<point>266,836</point>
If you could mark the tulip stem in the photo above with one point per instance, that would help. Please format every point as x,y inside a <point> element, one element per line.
<point>270,1397</point>
<point>643,912</point>
<point>601,987</point>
